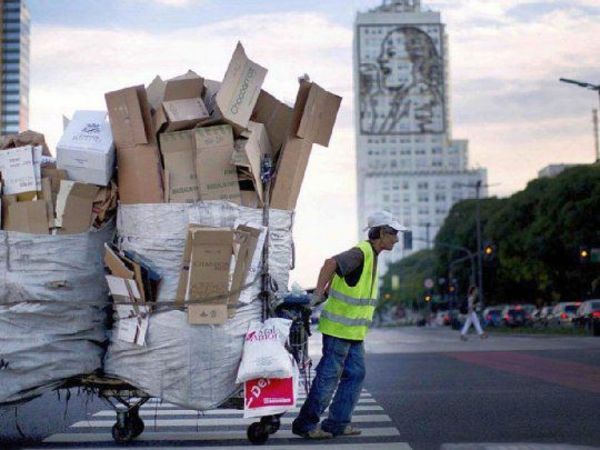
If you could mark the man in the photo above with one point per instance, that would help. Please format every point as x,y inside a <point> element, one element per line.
<point>351,279</point>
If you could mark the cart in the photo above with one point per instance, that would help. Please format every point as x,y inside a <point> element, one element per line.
<point>126,399</point>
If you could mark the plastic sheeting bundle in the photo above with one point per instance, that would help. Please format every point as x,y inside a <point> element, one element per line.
<point>53,310</point>
<point>194,366</point>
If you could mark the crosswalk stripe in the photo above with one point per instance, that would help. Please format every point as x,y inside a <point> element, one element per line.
<point>203,436</point>
<point>201,422</point>
<point>149,412</point>
<point>153,406</point>
<point>301,397</point>
<point>326,443</point>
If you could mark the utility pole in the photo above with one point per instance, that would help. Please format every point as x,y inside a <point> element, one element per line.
<point>591,87</point>
<point>427,225</point>
<point>479,251</point>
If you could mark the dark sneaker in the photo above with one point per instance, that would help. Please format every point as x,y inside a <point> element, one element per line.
<point>351,431</point>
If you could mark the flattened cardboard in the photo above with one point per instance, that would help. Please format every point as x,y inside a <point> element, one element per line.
<point>18,174</point>
<point>315,113</point>
<point>77,213</point>
<point>209,275</point>
<point>240,89</point>
<point>47,197</point>
<point>290,173</point>
<point>25,217</point>
<point>130,118</point>
<point>276,116</point>
<point>140,175</point>
<point>86,149</point>
<point>217,177</point>
<point>115,264</point>
<point>179,155</point>
<point>253,148</point>
<point>247,239</point>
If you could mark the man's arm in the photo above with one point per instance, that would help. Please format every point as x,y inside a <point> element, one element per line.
<point>325,276</point>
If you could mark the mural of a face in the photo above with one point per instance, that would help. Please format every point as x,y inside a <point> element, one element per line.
<point>394,61</point>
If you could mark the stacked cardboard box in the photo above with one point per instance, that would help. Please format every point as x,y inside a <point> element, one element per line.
<point>188,139</point>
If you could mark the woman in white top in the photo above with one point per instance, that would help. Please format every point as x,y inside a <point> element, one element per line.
<point>472,318</point>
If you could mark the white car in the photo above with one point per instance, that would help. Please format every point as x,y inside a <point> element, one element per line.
<point>563,313</point>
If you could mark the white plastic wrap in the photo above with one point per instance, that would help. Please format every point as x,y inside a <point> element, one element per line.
<point>53,310</point>
<point>194,366</point>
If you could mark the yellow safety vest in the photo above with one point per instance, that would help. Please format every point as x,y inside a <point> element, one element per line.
<point>348,311</point>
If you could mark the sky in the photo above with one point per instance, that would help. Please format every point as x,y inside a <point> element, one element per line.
<point>505,60</point>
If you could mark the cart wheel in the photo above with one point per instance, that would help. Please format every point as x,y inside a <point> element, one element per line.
<point>257,434</point>
<point>271,424</point>
<point>137,424</point>
<point>124,434</point>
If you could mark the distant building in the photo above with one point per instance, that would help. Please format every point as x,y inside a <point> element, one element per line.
<point>14,95</point>
<point>554,169</point>
<point>407,161</point>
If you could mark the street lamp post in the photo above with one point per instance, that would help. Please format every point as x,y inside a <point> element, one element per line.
<point>591,87</point>
<point>479,260</point>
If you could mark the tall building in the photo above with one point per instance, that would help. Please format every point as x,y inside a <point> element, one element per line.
<point>407,161</point>
<point>14,95</point>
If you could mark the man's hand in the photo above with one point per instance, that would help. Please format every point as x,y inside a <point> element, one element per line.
<point>316,299</point>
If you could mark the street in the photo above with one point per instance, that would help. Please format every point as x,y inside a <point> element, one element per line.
<point>425,389</point>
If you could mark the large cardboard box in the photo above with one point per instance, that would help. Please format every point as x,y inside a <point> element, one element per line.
<point>25,217</point>
<point>86,149</point>
<point>217,176</point>
<point>130,117</point>
<point>208,281</point>
<point>315,112</point>
<point>276,116</point>
<point>245,245</point>
<point>140,175</point>
<point>18,170</point>
<point>249,152</point>
<point>177,102</point>
<point>74,206</point>
<point>291,167</point>
<point>179,155</point>
<point>240,88</point>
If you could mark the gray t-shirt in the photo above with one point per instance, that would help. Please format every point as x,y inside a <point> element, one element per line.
<point>350,265</point>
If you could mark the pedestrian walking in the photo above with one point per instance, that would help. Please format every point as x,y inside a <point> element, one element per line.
<point>472,301</point>
<point>350,279</point>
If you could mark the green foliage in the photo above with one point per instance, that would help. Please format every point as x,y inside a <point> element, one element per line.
<point>411,272</point>
<point>537,233</point>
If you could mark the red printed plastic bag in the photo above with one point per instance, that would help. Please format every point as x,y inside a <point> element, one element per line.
<point>269,396</point>
<point>264,353</point>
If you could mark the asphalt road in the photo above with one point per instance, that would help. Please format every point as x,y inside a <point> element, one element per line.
<point>425,389</point>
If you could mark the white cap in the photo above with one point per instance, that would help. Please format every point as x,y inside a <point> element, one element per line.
<point>383,218</point>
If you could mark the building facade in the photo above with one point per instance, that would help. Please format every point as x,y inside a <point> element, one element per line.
<point>407,161</point>
<point>14,95</point>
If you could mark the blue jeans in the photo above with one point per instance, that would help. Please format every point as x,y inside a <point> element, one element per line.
<point>342,366</point>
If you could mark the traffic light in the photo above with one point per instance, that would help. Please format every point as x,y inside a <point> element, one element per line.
<point>584,255</point>
<point>428,298</point>
<point>489,252</point>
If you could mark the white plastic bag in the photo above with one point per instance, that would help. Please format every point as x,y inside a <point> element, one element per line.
<point>264,354</point>
<point>267,397</point>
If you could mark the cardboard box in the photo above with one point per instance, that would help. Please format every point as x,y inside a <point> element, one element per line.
<point>25,217</point>
<point>177,102</point>
<point>239,90</point>
<point>291,167</point>
<point>248,153</point>
<point>179,155</point>
<point>276,117</point>
<point>130,117</point>
<point>140,175</point>
<point>208,281</point>
<point>86,149</point>
<point>132,325</point>
<point>217,176</point>
<point>74,206</point>
<point>17,169</point>
<point>315,112</point>
<point>246,242</point>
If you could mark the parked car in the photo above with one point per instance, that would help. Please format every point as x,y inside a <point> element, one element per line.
<point>543,315</point>
<point>530,309</point>
<point>492,317</point>
<point>513,316</point>
<point>588,316</point>
<point>563,313</point>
